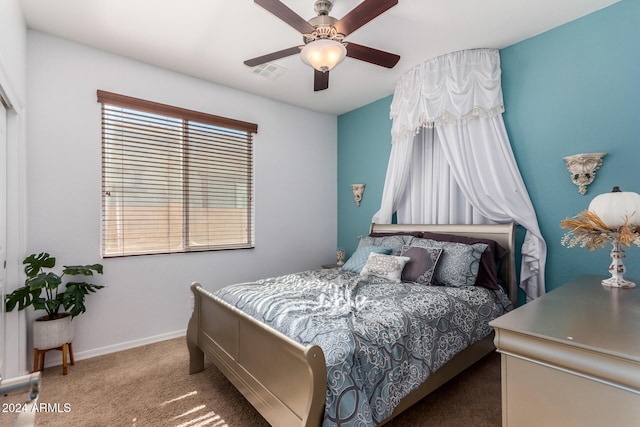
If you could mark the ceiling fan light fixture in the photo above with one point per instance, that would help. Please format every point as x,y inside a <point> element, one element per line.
<point>323,54</point>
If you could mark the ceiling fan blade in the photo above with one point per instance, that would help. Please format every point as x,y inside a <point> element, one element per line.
<point>320,80</point>
<point>280,10</point>
<point>272,56</point>
<point>363,13</point>
<point>371,55</point>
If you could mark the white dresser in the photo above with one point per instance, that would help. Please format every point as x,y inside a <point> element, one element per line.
<point>572,358</point>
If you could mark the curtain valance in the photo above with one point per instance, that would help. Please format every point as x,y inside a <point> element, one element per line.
<point>447,89</point>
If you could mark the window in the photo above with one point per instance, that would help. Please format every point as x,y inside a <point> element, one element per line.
<point>173,180</point>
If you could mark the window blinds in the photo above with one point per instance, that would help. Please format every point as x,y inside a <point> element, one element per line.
<point>173,180</point>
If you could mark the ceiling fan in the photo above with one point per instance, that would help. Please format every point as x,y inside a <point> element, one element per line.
<point>323,35</point>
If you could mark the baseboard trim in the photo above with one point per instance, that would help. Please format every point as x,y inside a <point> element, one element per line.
<point>55,358</point>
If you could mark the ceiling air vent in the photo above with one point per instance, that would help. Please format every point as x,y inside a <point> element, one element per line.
<point>269,70</point>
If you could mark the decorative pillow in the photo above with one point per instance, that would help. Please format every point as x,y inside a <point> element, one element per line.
<point>385,266</point>
<point>395,242</point>
<point>458,264</point>
<point>422,264</point>
<point>359,258</point>
<point>489,262</point>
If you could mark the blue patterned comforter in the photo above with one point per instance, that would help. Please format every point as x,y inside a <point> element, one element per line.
<point>381,340</point>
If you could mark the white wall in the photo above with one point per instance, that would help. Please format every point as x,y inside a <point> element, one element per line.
<point>13,51</point>
<point>147,297</point>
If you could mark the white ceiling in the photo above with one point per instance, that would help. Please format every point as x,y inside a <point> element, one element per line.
<point>210,39</point>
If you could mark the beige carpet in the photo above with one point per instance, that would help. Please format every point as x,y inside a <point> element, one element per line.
<point>150,386</point>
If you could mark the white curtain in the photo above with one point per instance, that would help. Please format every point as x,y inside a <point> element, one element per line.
<point>451,160</point>
<point>431,194</point>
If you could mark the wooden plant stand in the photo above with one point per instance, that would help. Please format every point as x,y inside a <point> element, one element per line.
<point>38,357</point>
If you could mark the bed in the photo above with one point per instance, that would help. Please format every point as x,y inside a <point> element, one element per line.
<point>291,384</point>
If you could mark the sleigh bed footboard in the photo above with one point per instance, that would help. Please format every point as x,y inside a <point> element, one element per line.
<point>290,392</point>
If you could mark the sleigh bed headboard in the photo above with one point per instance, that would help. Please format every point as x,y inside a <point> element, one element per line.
<point>504,234</point>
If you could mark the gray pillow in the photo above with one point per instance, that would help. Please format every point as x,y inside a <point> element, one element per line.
<point>458,264</point>
<point>394,242</point>
<point>422,264</point>
<point>488,272</point>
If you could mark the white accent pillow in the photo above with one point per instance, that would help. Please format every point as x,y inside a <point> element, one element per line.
<point>385,266</point>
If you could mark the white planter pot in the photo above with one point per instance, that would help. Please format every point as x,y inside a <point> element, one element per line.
<point>52,333</point>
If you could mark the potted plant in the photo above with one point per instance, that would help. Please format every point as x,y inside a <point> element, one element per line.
<point>43,290</point>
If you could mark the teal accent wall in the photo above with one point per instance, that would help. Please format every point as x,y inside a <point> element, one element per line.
<point>573,89</point>
<point>364,145</point>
